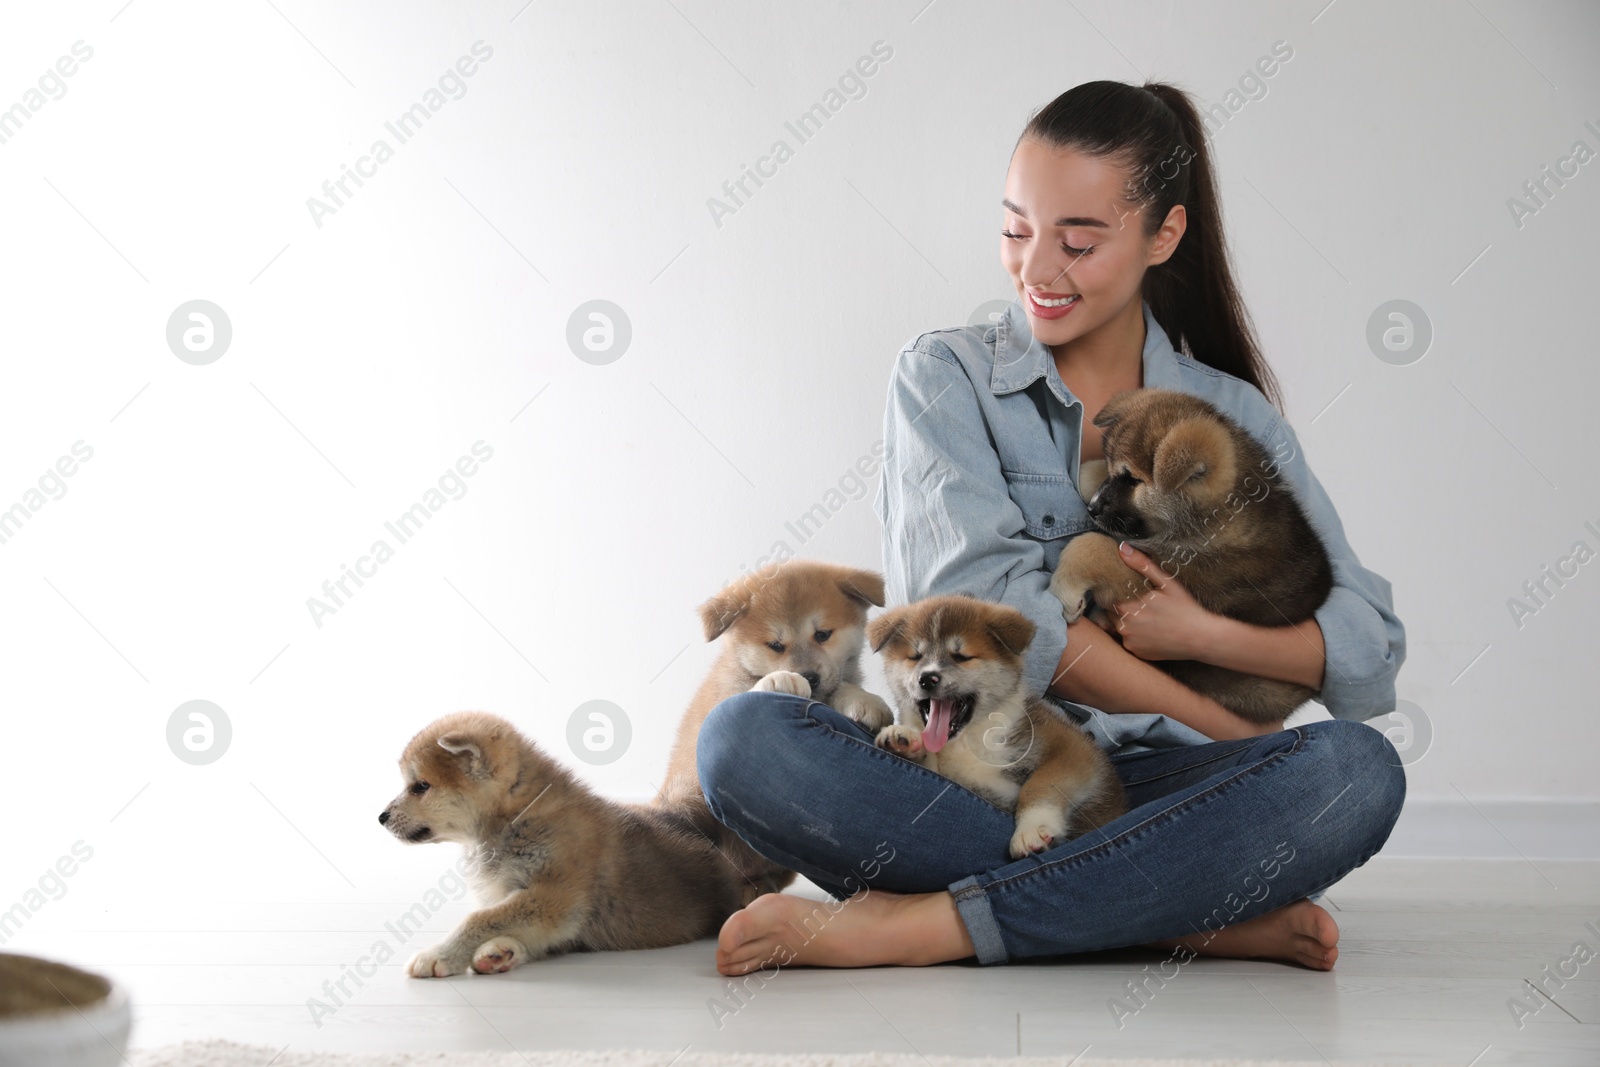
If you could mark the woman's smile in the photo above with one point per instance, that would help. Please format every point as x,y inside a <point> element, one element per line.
<point>1053,310</point>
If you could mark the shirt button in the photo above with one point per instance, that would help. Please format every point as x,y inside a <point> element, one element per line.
<point>1049,520</point>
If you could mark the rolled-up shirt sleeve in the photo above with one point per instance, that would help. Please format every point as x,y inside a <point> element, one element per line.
<point>949,522</point>
<point>1364,641</point>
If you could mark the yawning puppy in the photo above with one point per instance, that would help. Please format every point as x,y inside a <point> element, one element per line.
<point>1188,487</point>
<point>791,627</point>
<point>954,664</point>
<point>554,867</point>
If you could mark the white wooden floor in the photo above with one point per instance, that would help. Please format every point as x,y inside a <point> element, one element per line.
<point>1431,952</point>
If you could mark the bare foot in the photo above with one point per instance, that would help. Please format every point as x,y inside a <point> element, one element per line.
<point>870,928</point>
<point>1301,933</point>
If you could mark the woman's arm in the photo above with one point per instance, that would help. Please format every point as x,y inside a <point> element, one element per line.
<point>950,524</point>
<point>1096,670</point>
<point>1364,640</point>
<point>1289,653</point>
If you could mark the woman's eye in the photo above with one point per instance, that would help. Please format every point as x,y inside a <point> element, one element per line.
<point>1071,251</point>
<point>419,788</point>
<point>823,635</point>
<point>776,646</point>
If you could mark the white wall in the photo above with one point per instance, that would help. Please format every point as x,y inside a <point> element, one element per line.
<point>430,312</point>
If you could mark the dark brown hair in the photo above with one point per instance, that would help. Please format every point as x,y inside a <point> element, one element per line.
<point>1154,131</point>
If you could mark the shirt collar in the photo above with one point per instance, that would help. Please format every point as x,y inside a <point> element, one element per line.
<point>1019,358</point>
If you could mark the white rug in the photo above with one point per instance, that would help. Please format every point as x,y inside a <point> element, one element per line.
<point>228,1054</point>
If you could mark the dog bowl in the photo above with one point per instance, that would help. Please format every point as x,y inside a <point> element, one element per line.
<point>53,1015</point>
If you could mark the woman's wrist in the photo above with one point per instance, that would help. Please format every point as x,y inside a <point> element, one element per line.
<point>1212,636</point>
<point>1289,653</point>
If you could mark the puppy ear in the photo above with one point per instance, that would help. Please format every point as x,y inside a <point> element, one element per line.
<point>1112,409</point>
<point>1192,448</point>
<point>457,742</point>
<point>863,586</point>
<point>723,610</point>
<point>1011,629</point>
<point>885,627</point>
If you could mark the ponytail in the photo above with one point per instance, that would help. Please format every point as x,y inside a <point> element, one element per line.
<point>1155,131</point>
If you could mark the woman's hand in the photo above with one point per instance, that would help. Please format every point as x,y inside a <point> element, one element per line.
<point>1166,623</point>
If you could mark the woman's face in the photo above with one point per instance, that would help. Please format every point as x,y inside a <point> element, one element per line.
<point>1070,232</point>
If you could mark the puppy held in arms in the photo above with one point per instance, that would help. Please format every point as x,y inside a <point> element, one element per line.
<point>1188,487</point>
<point>954,665</point>
<point>554,867</point>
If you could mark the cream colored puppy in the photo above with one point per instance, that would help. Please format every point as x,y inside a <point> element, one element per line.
<point>555,867</point>
<point>794,627</point>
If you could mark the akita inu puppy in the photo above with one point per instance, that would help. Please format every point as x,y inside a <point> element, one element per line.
<point>554,866</point>
<point>792,627</point>
<point>1185,484</point>
<point>954,664</point>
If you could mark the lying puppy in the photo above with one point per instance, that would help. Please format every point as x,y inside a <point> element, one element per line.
<point>792,627</point>
<point>556,868</point>
<point>955,666</point>
<point>1188,487</point>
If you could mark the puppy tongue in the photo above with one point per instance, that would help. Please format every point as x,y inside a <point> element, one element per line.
<point>938,729</point>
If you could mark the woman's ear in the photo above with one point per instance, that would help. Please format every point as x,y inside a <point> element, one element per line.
<point>1166,238</point>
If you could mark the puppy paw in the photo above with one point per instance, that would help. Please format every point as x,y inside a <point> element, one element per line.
<point>901,740</point>
<point>436,962</point>
<point>498,955</point>
<point>1074,596</point>
<point>784,682</point>
<point>1038,827</point>
<point>1091,474</point>
<point>861,706</point>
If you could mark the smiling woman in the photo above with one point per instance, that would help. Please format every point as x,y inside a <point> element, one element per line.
<point>1112,237</point>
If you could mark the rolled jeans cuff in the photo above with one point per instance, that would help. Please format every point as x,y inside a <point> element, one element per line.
<point>973,905</point>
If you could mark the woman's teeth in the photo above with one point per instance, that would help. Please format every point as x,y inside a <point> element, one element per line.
<point>1063,302</point>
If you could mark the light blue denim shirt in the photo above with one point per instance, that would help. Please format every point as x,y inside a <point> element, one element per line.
<point>979,495</point>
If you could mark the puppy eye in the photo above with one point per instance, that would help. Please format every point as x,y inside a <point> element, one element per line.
<point>776,646</point>
<point>959,658</point>
<point>419,788</point>
<point>914,656</point>
<point>823,635</point>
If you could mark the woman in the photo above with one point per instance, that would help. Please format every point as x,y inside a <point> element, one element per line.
<point>1114,244</point>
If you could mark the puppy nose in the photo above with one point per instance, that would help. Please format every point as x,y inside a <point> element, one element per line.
<point>812,678</point>
<point>929,679</point>
<point>384,818</point>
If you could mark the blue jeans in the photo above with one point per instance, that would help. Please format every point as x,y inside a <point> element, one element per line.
<point>1215,833</point>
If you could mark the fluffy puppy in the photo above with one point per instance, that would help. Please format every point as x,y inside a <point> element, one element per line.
<point>791,627</point>
<point>555,867</point>
<point>1184,484</point>
<point>954,664</point>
